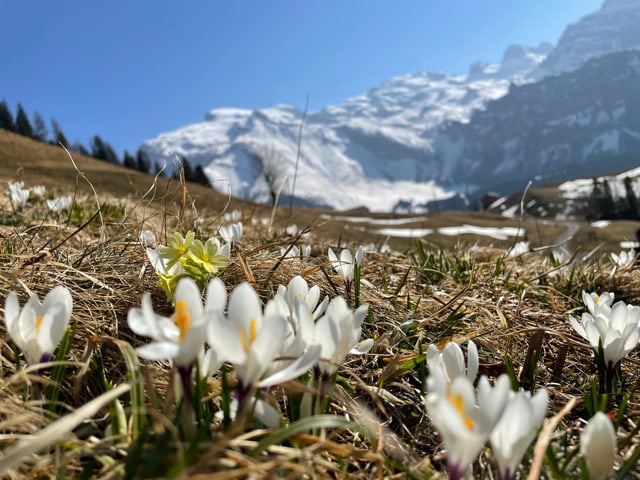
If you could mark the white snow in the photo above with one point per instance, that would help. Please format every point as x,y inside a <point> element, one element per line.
<point>498,233</point>
<point>582,187</point>
<point>501,233</point>
<point>404,232</point>
<point>374,221</point>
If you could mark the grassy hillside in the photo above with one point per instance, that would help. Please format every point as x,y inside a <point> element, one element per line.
<point>368,418</point>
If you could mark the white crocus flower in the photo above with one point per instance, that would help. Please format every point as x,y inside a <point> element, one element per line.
<point>291,230</point>
<point>59,204</point>
<point>148,240</point>
<point>294,251</point>
<point>299,289</point>
<point>338,332</point>
<point>180,337</point>
<point>252,340</point>
<point>516,428</point>
<point>231,234</point>
<point>233,216</point>
<point>463,418</point>
<point>451,361</point>
<point>619,331</point>
<point>598,446</point>
<point>39,191</point>
<point>18,194</point>
<point>344,265</point>
<point>624,259</point>
<point>37,328</point>
<point>598,303</point>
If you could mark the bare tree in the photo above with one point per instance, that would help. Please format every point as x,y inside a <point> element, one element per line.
<point>272,168</point>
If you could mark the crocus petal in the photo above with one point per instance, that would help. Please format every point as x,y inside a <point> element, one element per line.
<point>295,369</point>
<point>143,321</point>
<point>336,263</point>
<point>362,347</point>
<point>453,360</point>
<point>358,255</point>
<point>59,296</point>
<point>266,414</point>
<point>52,328</point>
<point>360,314</point>
<point>191,345</point>
<point>223,336</point>
<point>156,351</point>
<point>516,428</point>
<point>11,316</point>
<point>216,295</point>
<point>244,308</point>
<point>598,445</point>
<point>578,327</point>
<point>188,291</point>
<point>492,400</point>
<point>208,362</point>
<point>473,362</point>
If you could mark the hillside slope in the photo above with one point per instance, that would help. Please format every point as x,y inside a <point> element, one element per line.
<point>38,163</point>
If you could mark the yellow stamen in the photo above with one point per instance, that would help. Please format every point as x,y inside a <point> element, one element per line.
<point>182,318</point>
<point>458,403</point>
<point>246,343</point>
<point>38,324</point>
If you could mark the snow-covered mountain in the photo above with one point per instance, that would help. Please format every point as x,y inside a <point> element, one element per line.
<point>613,28</point>
<point>373,150</point>
<point>417,140</point>
<point>585,122</point>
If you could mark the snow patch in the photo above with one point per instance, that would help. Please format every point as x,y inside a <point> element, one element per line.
<point>502,233</point>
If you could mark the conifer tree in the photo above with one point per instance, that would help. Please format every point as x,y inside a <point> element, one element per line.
<point>186,167</point>
<point>129,160</point>
<point>59,137</point>
<point>6,117</point>
<point>143,162</point>
<point>40,131</point>
<point>593,203</point>
<point>632,201</point>
<point>23,126</point>
<point>200,177</point>
<point>608,208</point>
<point>79,148</point>
<point>102,150</point>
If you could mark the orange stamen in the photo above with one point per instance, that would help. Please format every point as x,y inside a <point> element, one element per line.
<point>247,342</point>
<point>182,318</point>
<point>457,402</point>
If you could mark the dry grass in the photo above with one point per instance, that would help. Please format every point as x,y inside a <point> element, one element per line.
<point>439,293</point>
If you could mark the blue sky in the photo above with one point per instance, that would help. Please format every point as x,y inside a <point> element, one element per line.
<point>129,70</point>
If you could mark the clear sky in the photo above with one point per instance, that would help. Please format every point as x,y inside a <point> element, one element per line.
<point>129,70</point>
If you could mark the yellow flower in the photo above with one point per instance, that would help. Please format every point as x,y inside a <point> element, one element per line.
<point>177,249</point>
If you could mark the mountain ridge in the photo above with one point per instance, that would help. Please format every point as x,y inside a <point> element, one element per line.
<point>399,146</point>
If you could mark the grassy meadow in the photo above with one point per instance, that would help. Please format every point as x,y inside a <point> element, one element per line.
<point>98,410</point>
